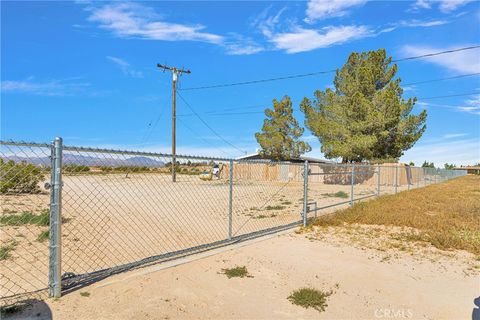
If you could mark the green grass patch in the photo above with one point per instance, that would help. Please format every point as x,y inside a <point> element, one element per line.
<point>85,294</point>
<point>277,207</point>
<point>236,272</point>
<point>43,236</point>
<point>310,298</point>
<point>6,249</point>
<point>338,194</point>
<point>26,218</point>
<point>286,202</point>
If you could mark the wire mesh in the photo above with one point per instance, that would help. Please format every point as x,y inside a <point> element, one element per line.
<point>121,209</point>
<point>24,220</point>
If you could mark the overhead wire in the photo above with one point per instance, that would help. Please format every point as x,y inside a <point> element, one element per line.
<point>208,126</point>
<point>309,74</point>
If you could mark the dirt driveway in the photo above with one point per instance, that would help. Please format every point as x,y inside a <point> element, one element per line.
<point>366,285</point>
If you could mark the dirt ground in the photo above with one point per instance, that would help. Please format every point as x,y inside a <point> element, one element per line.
<point>369,282</point>
<point>114,219</point>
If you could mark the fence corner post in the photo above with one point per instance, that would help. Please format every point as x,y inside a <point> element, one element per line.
<point>230,201</point>
<point>352,183</point>
<point>378,180</point>
<point>396,178</point>
<point>305,193</point>
<point>55,230</point>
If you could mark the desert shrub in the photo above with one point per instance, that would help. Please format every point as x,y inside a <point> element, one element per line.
<point>75,168</point>
<point>310,298</point>
<point>19,177</point>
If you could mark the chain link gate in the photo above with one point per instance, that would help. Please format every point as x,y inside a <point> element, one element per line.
<point>108,211</point>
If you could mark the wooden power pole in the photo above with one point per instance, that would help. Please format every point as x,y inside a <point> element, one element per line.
<point>175,73</point>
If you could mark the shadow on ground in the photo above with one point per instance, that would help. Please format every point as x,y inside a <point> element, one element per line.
<point>476,309</point>
<point>30,309</point>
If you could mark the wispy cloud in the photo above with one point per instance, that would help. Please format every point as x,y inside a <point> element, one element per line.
<point>471,106</point>
<point>133,20</point>
<point>454,135</point>
<point>460,62</point>
<point>321,9</point>
<point>446,6</point>
<point>459,152</point>
<point>62,87</point>
<point>301,39</point>
<point>125,67</point>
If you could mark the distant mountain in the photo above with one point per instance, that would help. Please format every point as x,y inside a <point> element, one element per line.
<point>109,161</point>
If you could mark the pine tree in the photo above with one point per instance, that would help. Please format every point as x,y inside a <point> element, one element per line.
<point>280,133</point>
<point>365,117</point>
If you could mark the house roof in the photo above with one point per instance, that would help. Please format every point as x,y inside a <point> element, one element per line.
<point>256,156</point>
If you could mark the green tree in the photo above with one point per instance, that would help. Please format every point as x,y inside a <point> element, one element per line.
<point>412,164</point>
<point>280,133</point>
<point>428,165</point>
<point>449,166</point>
<point>365,117</point>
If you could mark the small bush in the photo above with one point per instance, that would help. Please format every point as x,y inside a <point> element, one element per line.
<point>75,168</point>
<point>339,194</point>
<point>6,249</point>
<point>277,207</point>
<point>237,272</point>
<point>43,236</point>
<point>85,294</point>
<point>310,298</point>
<point>21,177</point>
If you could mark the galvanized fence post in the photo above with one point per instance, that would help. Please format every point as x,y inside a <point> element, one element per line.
<point>55,231</point>
<point>396,178</point>
<point>378,180</point>
<point>353,182</point>
<point>230,201</point>
<point>305,192</point>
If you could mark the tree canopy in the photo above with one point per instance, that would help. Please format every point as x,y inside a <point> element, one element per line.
<point>280,133</point>
<point>365,116</point>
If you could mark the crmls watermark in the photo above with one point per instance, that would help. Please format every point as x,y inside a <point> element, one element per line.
<point>391,313</point>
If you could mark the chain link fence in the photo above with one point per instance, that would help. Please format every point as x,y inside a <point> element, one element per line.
<point>72,215</point>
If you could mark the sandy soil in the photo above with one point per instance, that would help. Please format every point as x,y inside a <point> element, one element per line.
<point>116,219</point>
<point>420,283</point>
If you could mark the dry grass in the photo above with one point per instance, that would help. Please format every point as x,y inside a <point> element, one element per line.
<point>447,215</point>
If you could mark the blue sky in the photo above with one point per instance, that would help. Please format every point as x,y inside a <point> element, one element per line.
<point>86,71</point>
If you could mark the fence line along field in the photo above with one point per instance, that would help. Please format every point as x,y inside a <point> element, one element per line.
<point>120,208</point>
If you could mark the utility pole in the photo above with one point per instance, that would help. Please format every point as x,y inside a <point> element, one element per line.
<point>175,73</point>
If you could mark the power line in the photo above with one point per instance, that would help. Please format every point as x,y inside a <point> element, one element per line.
<point>442,79</point>
<point>320,72</point>
<point>198,136</point>
<point>207,125</point>
<point>449,96</point>
<point>216,113</point>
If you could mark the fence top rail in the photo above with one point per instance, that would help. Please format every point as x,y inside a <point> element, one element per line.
<point>193,157</point>
<point>24,144</point>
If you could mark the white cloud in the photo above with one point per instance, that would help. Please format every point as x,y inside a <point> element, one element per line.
<point>472,106</point>
<point>420,23</point>
<point>300,39</point>
<point>454,135</point>
<point>133,20</point>
<point>467,61</point>
<point>63,87</point>
<point>322,9</point>
<point>422,4</point>
<point>452,5</point>
<point>459,152</point>
<point>240,45</point>
<point>445,6</point>
<point>125,67</point>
